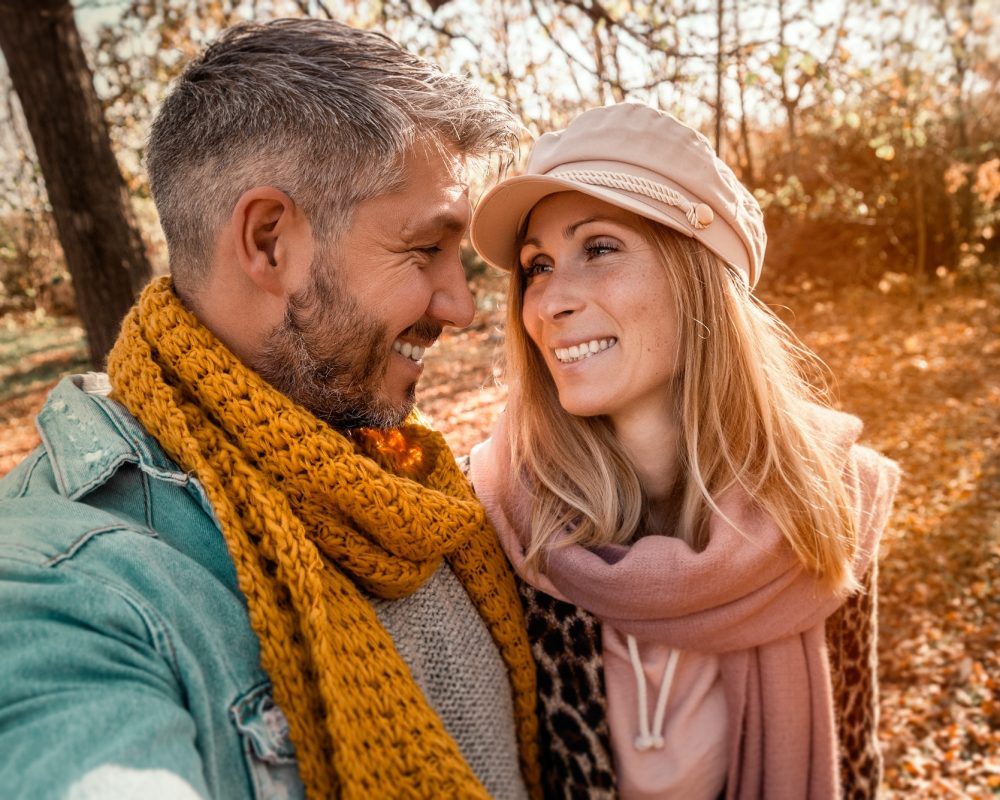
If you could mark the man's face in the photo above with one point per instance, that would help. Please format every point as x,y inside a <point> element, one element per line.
<point>350,347</point>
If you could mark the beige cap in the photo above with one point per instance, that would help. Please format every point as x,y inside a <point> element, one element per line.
<point>639,159</point>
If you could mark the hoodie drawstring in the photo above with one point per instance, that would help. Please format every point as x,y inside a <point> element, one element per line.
<point>649,739</point>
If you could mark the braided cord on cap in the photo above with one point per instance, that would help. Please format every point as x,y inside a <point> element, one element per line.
<point>699,215</point>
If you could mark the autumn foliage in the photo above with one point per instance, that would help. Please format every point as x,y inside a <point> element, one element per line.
<point>868,131</point>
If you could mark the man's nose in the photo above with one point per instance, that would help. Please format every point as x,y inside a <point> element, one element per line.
<point>452,302</point>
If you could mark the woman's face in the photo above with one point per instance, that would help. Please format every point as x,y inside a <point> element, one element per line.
<point>598,306</point>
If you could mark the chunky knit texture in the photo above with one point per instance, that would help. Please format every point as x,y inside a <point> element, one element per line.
<point>309,515</point>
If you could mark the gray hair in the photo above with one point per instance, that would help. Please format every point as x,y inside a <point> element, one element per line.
<point>325,112</point>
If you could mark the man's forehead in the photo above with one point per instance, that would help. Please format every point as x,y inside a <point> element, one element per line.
<point>431,198</point>
<point>452,219</point>
<point>432,158</point>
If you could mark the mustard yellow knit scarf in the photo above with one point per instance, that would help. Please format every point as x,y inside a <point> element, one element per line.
<point>309,515</point>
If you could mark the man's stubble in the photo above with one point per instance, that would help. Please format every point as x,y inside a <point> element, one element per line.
<point>331,357</point>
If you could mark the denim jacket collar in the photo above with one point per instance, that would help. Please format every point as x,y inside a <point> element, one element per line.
<point>89,436</point>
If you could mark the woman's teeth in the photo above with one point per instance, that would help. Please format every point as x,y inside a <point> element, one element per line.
<point>578,352</point>
<point>410,351</point>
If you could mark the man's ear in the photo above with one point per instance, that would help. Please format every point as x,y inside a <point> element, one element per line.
<point>272,239</point>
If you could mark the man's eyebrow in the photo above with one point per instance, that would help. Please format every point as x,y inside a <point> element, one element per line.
<point>446,220</point>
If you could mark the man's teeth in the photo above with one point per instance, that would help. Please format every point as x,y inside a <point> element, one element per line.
<point>410,351</point>
<point>578,352</point>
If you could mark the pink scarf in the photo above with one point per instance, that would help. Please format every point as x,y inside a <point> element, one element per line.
<point>745,598</point>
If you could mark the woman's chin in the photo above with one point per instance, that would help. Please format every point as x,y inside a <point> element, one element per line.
<point>582,407</point>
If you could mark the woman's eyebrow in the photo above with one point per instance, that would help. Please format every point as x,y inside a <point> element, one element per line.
<point>570,230</point>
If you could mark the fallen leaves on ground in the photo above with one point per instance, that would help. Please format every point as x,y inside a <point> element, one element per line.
<point>34,353</point>
<point>925,378</point>
<point>927,384</point>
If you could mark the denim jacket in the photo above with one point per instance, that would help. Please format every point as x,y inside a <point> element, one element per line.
<point>128,666</point>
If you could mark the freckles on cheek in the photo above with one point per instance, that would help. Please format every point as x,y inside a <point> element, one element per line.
<point>529,322</point>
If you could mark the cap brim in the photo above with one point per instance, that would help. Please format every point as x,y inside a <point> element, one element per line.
<point>501,212</point>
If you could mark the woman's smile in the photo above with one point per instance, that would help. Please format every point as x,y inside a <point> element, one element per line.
<point>584,350</point>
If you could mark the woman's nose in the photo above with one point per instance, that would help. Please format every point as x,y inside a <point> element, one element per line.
<point>560,297</point>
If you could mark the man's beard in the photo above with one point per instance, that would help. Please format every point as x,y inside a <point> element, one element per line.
<point>331,358</point>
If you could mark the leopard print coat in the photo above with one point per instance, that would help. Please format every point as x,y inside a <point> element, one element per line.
<point>572,706</point>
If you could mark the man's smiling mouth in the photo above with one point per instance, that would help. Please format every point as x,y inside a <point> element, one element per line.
<point>413,352</point>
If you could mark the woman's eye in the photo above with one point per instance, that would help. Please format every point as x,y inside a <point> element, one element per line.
<point>600,247</point>
<point>535,268</point>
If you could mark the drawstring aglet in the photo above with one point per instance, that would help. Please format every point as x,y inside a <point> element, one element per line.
<point>643,743</point>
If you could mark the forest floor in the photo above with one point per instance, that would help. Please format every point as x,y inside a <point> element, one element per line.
<point>924,374</point>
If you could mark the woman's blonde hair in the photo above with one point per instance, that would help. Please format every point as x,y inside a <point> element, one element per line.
<point>746,390</point>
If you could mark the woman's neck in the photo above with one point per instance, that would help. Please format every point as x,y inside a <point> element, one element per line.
<point>651,441</point>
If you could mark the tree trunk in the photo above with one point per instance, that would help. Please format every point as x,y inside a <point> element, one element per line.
<point>749,177</point>
<point>719,110</point>
<point>90,204</point>
<point>960,54</point>
<point>787,101</point>
<point>920,218</point>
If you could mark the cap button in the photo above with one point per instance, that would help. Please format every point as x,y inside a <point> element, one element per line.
<point>704,214</point>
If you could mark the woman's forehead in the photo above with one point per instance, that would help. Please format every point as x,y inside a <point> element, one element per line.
<point>571,209</point>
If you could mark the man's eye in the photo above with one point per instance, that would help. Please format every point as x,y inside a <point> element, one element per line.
<point>431,250</point>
